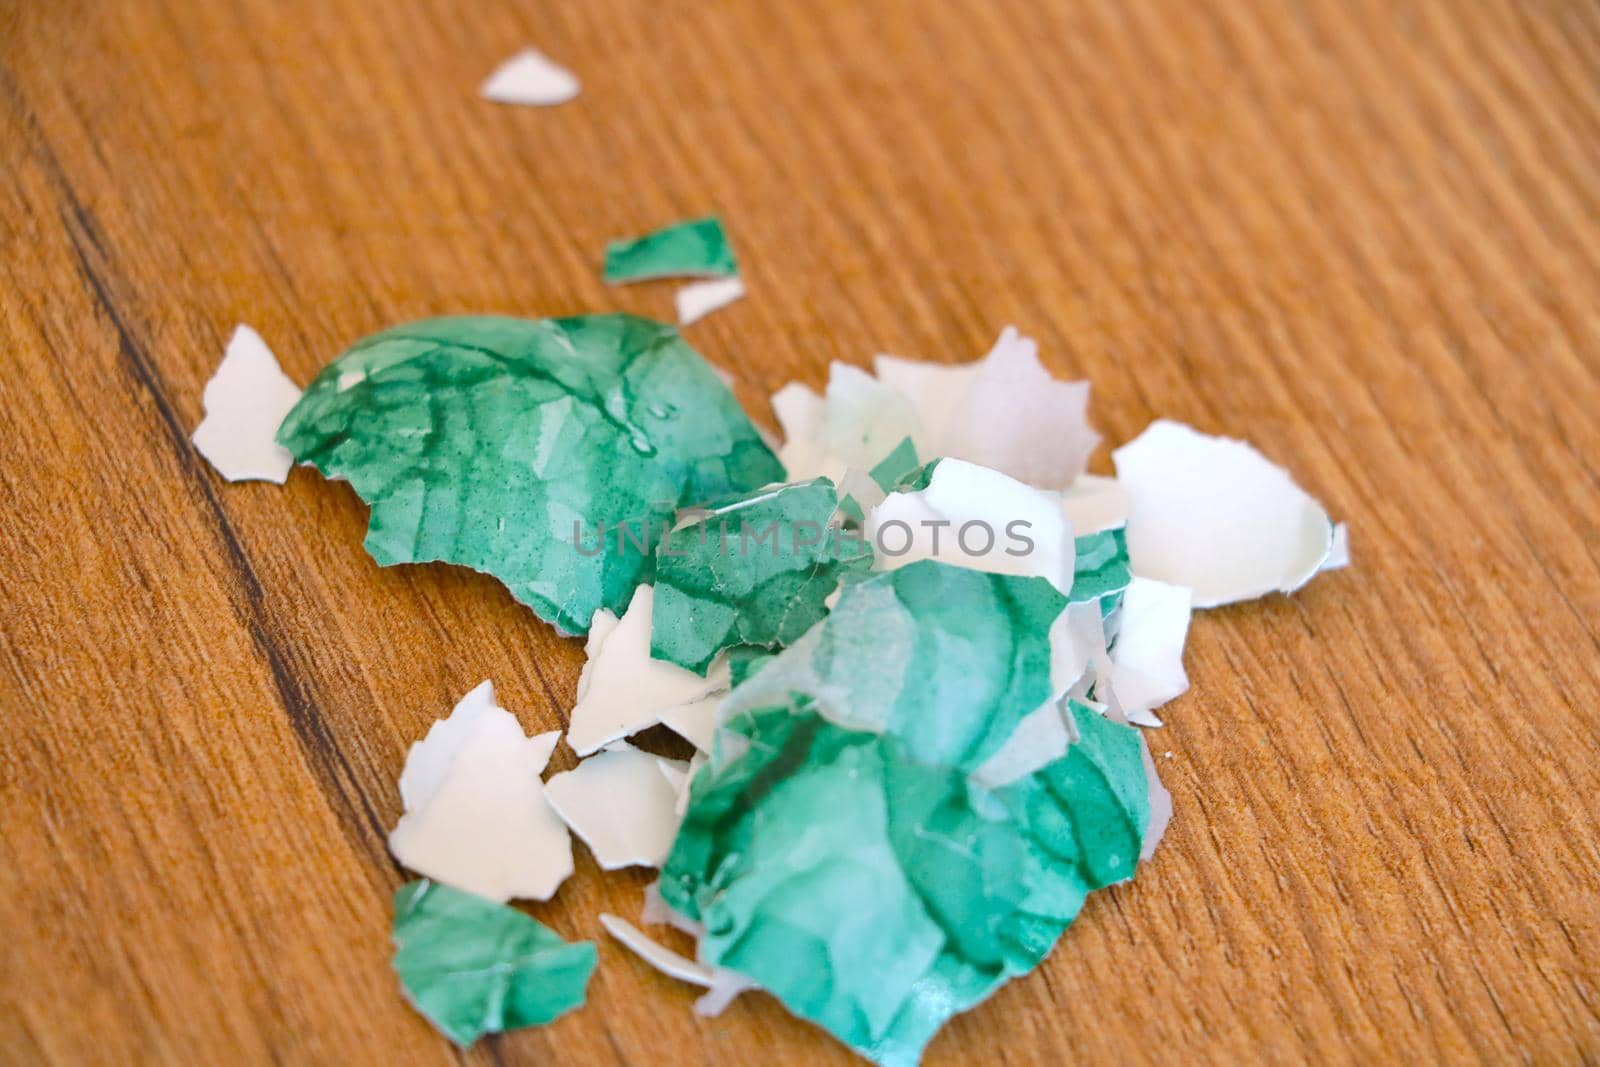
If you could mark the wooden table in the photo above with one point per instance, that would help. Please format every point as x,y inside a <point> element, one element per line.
<point>1363,234</point>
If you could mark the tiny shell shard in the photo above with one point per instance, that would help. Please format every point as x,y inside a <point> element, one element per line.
<point>1004,412</point>
<point>655,953</point>
<point>698,248</point>
<point>975,517</point>
<point>532,79</point>
<point>1147,658</point>
<point>695,302</point>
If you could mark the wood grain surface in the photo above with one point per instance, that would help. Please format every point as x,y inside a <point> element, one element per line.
<point>1363,233</point>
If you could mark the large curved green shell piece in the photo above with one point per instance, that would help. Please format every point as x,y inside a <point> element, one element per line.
<point>548,453</point>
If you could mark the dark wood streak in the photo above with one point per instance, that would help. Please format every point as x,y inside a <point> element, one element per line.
<point>344,793</point>
<point>339,783</point>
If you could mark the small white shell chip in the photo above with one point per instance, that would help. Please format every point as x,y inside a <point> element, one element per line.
<point>1147,657</point>
<point>246,401</point>
<point>655,953</point>
<point>622,690</point>
<point>699,299</point>
<point>476,817</point>
<point>1339,552</point>
<point>721,984</point>
<point>1004,411</point>
<point>532,78</point>
<point>1160,803</point>
<point>859,422</point>
<point>622,806</point>
<point>1094,503</point>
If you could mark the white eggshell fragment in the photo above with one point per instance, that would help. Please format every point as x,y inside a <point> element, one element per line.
<point>1339,552</point>
<point>530,78</point>
<point>622,690</point>
<point>971,516</point>
<point>1215,515</point>
<point>857,424</point>
<point>622,806</point>
<point>655,953</point>
<point>1160,803</point>
<point>699,299</point>
<point>1004,411</point>
<point>1019,420</point>
<point>800,411</point>
<point>1094,503</point>
<point>245,402</point>
<point>1147,657</point>
<point>476,817</point>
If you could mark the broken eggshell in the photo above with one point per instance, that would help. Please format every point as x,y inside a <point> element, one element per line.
<point>476,815</point>
<point>623,690</point>
<point>1215,515</point>
<point>622,806</point>
<point>975,517</point>
<point>245,402</point>
<point>532,79</point>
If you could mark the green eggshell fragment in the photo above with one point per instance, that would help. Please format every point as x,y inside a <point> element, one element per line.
<point>697,248</point>
<point>878,895</point>
<point>948,659</point>
<point>899,466</point>
<point>751,571</point>
<point>1100,568</point>
<point>475,967</point>
<point>548,453</point>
